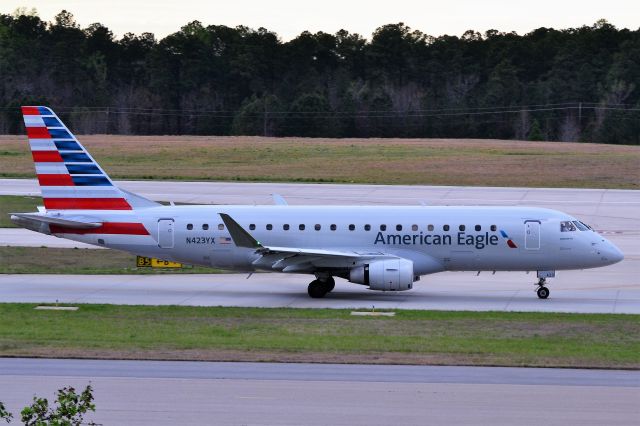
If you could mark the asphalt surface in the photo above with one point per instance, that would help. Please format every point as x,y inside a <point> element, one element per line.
<point>159,393</point>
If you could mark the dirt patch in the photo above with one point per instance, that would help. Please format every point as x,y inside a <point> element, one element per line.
<point>397,358</point>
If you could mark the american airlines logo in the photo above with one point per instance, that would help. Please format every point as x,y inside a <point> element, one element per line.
<point>479,241</point>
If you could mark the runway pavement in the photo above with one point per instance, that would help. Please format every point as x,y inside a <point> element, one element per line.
<point>572,291</point>
<point>18,237</point>
<point>159,393</point>
<point>340,194</point>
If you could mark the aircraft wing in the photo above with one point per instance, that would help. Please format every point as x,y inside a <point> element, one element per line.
<point>293,259</point>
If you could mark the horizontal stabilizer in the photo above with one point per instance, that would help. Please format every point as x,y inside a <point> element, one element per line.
<point>22,218</point>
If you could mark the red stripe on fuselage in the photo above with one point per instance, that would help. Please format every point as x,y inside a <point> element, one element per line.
<point>38,133</point>
<point>114,228</point>
<point>46,157</point>
<point>55,180</point>
<point>86,204</point>
<point>30,110</point>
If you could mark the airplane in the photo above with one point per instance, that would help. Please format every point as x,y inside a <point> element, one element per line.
<point>385,248</point>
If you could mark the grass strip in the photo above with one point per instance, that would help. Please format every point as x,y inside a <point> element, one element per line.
<point>322,335</point>
<point>16,204</point>
<point>39,260</point>
<point>394,161</point>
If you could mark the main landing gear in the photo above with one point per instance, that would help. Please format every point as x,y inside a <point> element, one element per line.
<point>543,292</point>
<point>319,288</point>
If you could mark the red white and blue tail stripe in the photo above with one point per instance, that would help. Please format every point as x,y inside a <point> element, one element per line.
<point>70,179</point>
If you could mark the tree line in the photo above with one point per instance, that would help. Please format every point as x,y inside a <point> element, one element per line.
<point>576,84</point>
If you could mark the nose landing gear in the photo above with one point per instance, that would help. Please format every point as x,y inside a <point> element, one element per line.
<point>542,291</point>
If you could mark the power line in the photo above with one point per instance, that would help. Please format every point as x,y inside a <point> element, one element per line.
<point>443,112</point>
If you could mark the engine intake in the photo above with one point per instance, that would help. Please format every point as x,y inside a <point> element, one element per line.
<point>385,275</point>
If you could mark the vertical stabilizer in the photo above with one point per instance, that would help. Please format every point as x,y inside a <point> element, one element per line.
<point>69,177</point>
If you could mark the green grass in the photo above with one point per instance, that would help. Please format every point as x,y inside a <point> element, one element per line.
<point>16,204</point>
<point>322,335</point>
<point>39,260</point>
<point>378,161</point>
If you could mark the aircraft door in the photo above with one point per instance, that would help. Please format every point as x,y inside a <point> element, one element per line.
<point>165,233</point>
<point>532,235</point>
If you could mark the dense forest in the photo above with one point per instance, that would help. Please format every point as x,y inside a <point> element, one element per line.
<point>578,84</point>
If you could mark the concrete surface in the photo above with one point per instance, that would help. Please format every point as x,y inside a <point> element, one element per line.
<point>18,237</point>
<point>340,194</point>
<point>574,291</point>
<point>159,393</point>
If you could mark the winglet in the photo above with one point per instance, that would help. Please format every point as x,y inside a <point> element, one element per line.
<point>240,237</point>
<point>279,200</point>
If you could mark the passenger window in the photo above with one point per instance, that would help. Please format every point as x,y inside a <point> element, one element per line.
<point>269,227</point>
<point>580,225</point>
<point>252,226</point>
<point>445,227</point>
<point>352,227</point>
<point>383,227</point>
<point>301,227</point>
<point>398,227</point>
<point>567,226</point>
<point>414,227</point>
<point>190,226</point>
<point>478,228</point>
<point>461,228</point>
<point>317,227</point>
<point>494,228</point>
<point>367,227</point>
<point>221,227</point>
<point>430,228</point>
<point>285,226</point>
<point>333,227</point>
<point>205,227</point>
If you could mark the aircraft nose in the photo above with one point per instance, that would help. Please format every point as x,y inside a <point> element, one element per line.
<point>611,253</point>
<point>615,255</point>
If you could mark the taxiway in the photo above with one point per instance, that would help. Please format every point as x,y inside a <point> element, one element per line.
<point>572,291</point>
<point>159,393</point>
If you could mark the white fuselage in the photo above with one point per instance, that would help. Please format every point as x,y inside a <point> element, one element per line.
<point>435,239</point>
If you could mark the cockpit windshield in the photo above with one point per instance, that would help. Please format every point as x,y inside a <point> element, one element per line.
<point>572,226</point>
<point>581,226</point>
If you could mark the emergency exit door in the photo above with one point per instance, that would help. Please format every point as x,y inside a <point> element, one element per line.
<point>532,235</point>
<point>165,233</point>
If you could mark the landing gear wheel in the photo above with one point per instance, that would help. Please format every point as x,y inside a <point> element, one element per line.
<point>317,289</point>
<point>543,292</point>
<point>329,284</point>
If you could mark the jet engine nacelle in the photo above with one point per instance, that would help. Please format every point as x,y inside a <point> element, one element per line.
<point>384,275</point>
